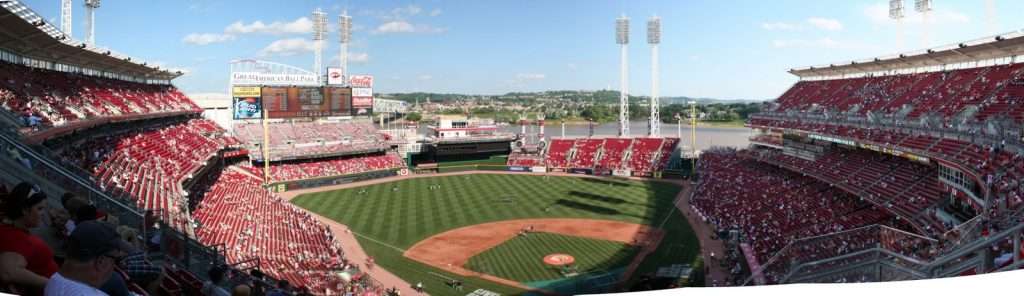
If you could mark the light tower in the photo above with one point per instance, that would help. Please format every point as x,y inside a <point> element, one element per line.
<point>345,31</point>
<point>319,26</point>
<point>896,13</point>
<point>622,38</point>
<point>90,21</point>
<point>65,17</point>
<point>925,8</point>
<point>654,38</point>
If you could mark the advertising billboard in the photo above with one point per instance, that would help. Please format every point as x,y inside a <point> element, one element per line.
<point>258,78</point>
<point>360,81</point>
<point>334,76</point>
<point>247,107</point>
<point>363,91</point>
<point>245,91</point>
<point>362,102</point>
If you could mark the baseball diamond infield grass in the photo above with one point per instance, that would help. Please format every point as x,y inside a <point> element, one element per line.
<point>389,218</point>
<point>521,258</point>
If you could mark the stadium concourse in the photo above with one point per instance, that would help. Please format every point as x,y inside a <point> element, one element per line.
<point>923,166</point>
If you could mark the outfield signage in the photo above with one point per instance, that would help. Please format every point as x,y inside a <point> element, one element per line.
<point>334,76</point>
<point>362,92</point>
<point>245,91</point>
<point>538,169</point>
<point>895,152</point>
<point>258,78</point>
<point>833,140</point>
<point>360,81</point>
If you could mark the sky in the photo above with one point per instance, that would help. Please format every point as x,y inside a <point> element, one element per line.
<point>721,49</point>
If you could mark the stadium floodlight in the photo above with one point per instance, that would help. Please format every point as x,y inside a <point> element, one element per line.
<point>90,21</point>
<point>622,38</point>
<point>65,17</point>
<point>923,6</point>
<point>345,31</point>
<point>896,9</point>
<point>319,26</point>
<point>654,38</point>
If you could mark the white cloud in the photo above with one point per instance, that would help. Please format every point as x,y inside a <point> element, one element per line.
<point>301,25</point>
<point>424,77</point>
<point>780,26</point>
<point>408,10</point>
<point>400,26</point>
<point>879,15</point>
<point>817,43</point>
<point>825,23</point>
<point>287,47</point>
<point>435,12</point>
<point>529,76</point>
<point>572,67</point>
<point>206,38</point>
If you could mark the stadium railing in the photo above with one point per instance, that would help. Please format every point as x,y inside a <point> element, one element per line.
<point>178,248</point>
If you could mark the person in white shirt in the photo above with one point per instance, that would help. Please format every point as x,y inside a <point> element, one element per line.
<point>93,251</point>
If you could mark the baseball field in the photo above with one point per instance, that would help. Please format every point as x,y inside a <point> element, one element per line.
<point>467,227</point>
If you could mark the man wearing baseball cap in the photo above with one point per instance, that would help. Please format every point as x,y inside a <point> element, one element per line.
<point>93,250</point>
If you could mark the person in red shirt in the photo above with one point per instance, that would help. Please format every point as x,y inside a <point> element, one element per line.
<point>26,262</point>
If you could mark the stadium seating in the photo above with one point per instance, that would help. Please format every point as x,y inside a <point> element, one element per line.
<point>148,167</point>
<point>947,94</point>
<point>296,140</point>
<point>558,153</point>
<point>316,168</point>
<point>586,151</point>
<point>612,153</point>
<point>525,160</point>
<point>643,153</point>
<point>60,98</point>
<point>773,207</point>
<point>251,223</point>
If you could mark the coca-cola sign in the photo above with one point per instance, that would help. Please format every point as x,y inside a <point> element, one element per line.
<point>360,81</point>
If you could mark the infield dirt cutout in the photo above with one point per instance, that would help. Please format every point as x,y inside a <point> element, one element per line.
<point>450,250</point>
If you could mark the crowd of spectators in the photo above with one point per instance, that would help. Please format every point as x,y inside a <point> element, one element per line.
<point>291,140</point>
<point>328,167</point>
<point>45,98</point>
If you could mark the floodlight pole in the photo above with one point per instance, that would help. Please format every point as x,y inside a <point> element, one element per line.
<point>896,13</point>
<point>925,8</point>
<point>319,26</point>
<point>345,30</point>
<point>65,17</point>
<point>654,38</point>
<point>622,38</point>
<point>693,137</point>
<point>90,21</point>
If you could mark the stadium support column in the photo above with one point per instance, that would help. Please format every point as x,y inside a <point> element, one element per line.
<point>266,148</point>
<point>540,122</point>
<point>622,38</point>
<point>654,38</point>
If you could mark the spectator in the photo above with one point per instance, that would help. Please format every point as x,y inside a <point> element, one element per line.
<point>241,290</point>
<point>55,233</point>
<point>283,289</point>
<point>93,252</point>
<point>26,262</point>
<point>213,286</point>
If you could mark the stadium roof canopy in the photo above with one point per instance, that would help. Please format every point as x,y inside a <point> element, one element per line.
<point>995,47</point>
<point>25,33</point>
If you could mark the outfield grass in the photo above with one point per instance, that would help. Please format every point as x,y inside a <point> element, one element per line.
<point>521,258</point>
<point>388,221</point>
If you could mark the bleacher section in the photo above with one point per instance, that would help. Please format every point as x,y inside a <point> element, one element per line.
<point>994,90</point>
<point>251,223</point>
<point>61,98</point>
<point>317,168</point>
<point>298,140</point>
<point>771,206</point>
<point>149,166</point>
<point>635,154</point>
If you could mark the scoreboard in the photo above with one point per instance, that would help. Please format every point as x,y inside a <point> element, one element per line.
<point>290,102</point>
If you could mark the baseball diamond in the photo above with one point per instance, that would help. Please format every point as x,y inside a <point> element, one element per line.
<point>390,222</point>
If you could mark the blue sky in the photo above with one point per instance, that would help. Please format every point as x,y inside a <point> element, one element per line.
<point>724,49</point>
